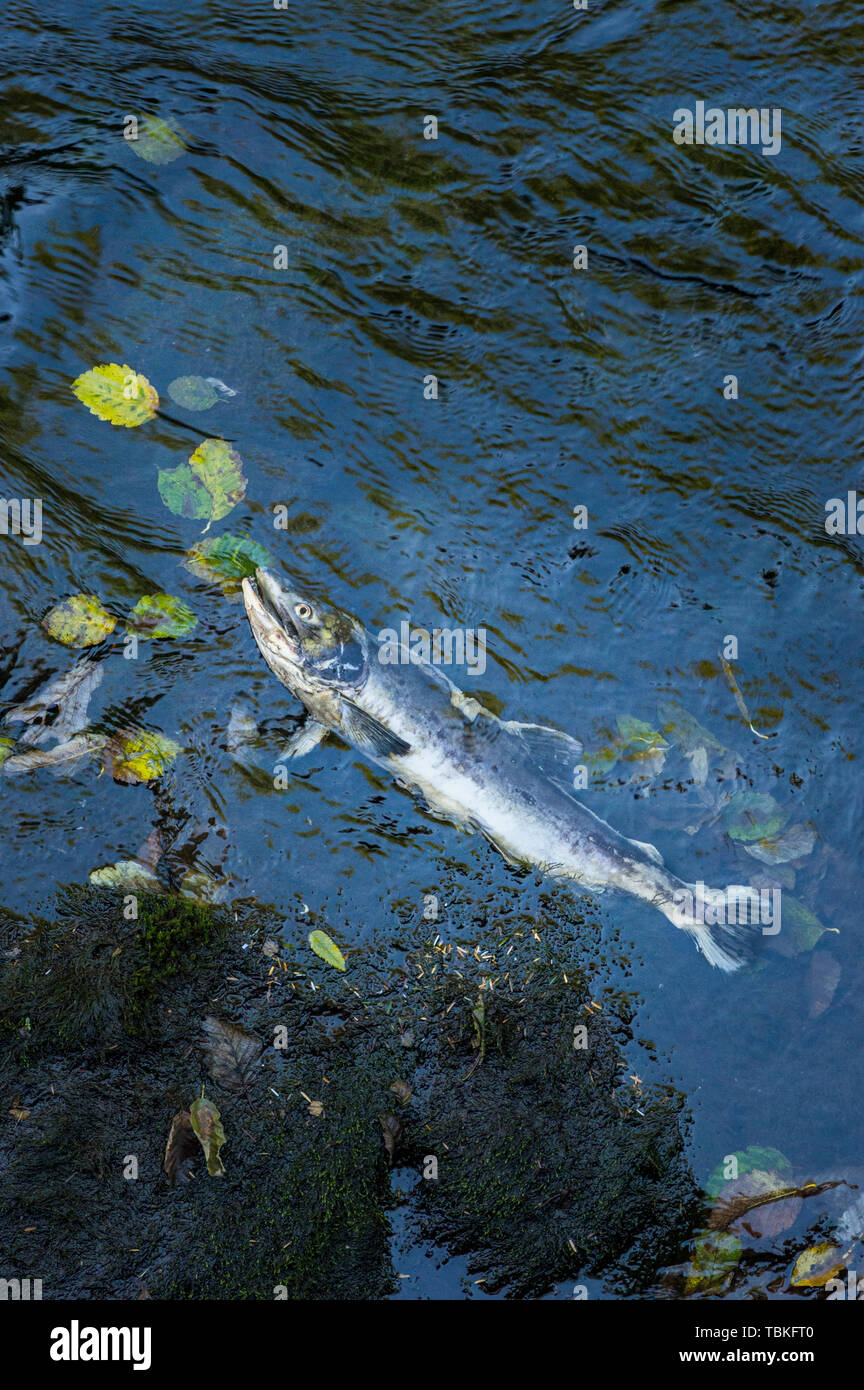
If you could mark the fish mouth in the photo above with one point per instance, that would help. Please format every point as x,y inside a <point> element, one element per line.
<point>268,608</point>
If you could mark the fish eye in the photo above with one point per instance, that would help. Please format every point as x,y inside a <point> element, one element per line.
<point>303,611</point>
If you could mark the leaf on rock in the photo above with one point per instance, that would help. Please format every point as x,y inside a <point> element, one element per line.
<point>816,1265</point>
<point>160,615</point>
<point>129,874</point>
<point>193,393</point>
<point>220,468</point>
<point>117,394</point>
<point>69,695</point>
<point>226,560</point>
<point>328,950</point>
<point>139,755</point>
<point>392,1129</point>
<point>402,1091</point>
<point>207,1124</point>
<point>157,141</point>
<point>232,1054</point>
<point>181,1149</point>
<point>80,621</point>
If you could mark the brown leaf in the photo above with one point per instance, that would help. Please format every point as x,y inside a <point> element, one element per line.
<point>392,1128</point>
<point>402,1091</point>
<point>69,694</point>
<point>232,1053</point>
<point>181,1149</point>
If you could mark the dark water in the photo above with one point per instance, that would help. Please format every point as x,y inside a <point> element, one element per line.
<point>603,387</point>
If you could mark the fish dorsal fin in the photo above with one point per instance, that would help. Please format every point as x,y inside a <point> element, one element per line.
<point>554,754</point>
<point>369,735</point>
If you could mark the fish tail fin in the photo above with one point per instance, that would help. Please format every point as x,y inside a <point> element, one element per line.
<point>726,944</point>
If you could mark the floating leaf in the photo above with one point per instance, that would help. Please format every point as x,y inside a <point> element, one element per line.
<point>181,1149</point>
<point>220,469</point>
<point>752,816</point>
<point>326,949</point>
<point>795,842</point>
<point>193,393</point>
<point>160,615</point>
<point>139,755</point>
<point>157,141</point>
<point>69,695</point>
<point>824,977</point>
<point>183,493</point>
<point>6,746</point>
<point>207,1124</point>
<point>226,560</point>
<point>80,621</point>
<point>232,1053</point>
<point>816,1265</point>
<point>128,874</point>
<point>117,394</point>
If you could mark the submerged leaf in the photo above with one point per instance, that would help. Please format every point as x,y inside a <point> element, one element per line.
<point>824,977</point>
<point>795,842</point>
<point>752,816</point>
<point>80,621</point>
<point>139,755</point>
<point>232,1053</point>
<point>715,1260</point>
<point>193,392</point>
<point>69,694</point>
<point>157,141</point>
<point>226,560</point>
<point>160,615</point>
<point>757,1157</point>
<point>207,1124</point>
<point>800,929</point>
<point>220,468</point>
<point>816,1265</point>
<point>181,1149</point>
<point>117,394</point>
<point>59,757</point>
<point>328,950</point>
<point>6,746</point>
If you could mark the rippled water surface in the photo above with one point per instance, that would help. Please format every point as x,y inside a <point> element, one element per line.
<point>404,258</point>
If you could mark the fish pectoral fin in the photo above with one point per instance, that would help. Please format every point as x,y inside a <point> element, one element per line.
<point>651,850</point>
<point>555,754</point>
<point>304,739</point>
<point>368,734</point>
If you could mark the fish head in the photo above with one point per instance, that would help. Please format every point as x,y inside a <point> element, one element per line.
<point>318,651</point>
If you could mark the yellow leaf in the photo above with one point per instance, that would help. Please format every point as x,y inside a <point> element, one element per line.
<point>80,621</point>
<point>326,949</point>
<point>220,468</point>
<point>117,394</point>
<point>816,1265</point>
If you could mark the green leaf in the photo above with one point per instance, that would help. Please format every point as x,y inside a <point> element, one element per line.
<point>326,949</point>
<point>6,746</point>
<point>714,1261</point>
<point>226,560</point>
<point>207,1124</point>
<point>751,816</point>
<point>192,393</point>
<point>754,1158</point>
<point>684,731</point>
<point>140,755</point>
<point>795,842</point>
<point>117,394</point>
<point>157,141</point>
<point>80,621</point>
<point>799,930</point>
<point>183,493</point>
<point>160,615</point>
<point>220,469</point>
